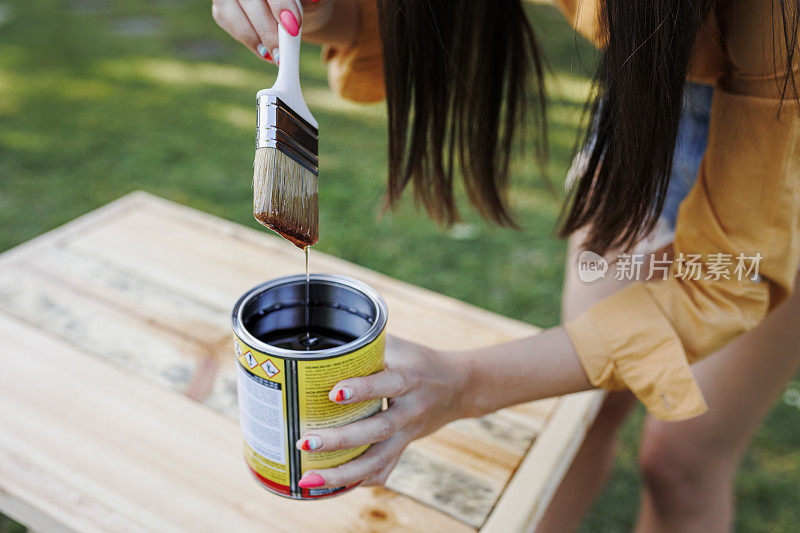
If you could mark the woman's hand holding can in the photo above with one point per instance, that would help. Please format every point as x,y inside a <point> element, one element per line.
<point>425,388</point>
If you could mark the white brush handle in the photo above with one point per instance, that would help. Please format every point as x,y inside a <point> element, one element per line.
<point>287,85</point>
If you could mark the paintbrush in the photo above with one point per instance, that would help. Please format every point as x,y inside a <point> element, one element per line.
<point>285,169</point>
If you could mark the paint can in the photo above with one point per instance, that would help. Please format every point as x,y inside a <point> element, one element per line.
<point>283,383</point>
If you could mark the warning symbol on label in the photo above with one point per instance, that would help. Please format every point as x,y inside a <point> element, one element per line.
<point>269,368</point>
<point>237,348</point>
<point>251,361</point>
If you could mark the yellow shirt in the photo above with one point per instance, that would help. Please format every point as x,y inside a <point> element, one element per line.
<point>746,200</point>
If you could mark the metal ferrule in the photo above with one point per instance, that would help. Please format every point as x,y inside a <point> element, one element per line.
<point>279,127</point>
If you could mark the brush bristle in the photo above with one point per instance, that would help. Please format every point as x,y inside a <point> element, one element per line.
<point>285,196</point>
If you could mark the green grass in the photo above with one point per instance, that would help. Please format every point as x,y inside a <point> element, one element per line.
<point>88,114</point>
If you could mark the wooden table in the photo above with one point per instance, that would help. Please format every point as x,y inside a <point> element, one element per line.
<point>118,404</point>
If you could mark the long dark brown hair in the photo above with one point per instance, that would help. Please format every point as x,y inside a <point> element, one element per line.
<point>459,77</point>
<point>634,119</point>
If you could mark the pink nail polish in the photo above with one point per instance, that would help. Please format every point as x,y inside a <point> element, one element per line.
<point>309,481</point>
<point>290,23</point>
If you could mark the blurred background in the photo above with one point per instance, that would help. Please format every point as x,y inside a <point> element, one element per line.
<point>102,97</point>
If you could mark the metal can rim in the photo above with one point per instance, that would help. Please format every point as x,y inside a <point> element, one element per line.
<point>375,330</point>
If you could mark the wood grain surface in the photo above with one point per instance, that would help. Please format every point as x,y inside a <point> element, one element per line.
<point>118,392</point>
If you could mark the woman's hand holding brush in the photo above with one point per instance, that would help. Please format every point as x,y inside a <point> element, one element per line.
<point>254,23</point>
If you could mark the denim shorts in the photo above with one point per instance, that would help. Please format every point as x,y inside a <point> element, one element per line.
<point>690,145</point>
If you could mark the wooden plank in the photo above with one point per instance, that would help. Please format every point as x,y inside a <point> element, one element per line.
<point>474,452</point>
<point>154,304</point>
<point>529,492</point>
<point>443,485</point>
<point>533,415</point>
<point>105,331</point>
<point>142,457</point>
<point>501,431</point>
<point>44,502</point>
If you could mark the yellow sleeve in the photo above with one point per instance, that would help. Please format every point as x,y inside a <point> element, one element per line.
<point>746,200</point>
<point>356,72</point>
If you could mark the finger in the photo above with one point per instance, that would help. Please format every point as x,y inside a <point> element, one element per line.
<point>375,428</point>
<point>371,463</point>
<point>380,478</point>
<point>288,13</point>
<point>385,384</point>
<point>230,17</point>
<point>260,17</point>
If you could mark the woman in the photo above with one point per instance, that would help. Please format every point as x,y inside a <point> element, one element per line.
<point>706,354</point>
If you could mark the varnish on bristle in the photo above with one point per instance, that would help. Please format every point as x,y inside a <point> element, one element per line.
<point>285,196</point>
<point>285,172</point>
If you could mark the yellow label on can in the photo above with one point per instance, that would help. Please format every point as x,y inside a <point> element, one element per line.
<point>262,413</point>
<point>315,379</point>
<point>274,397</point>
